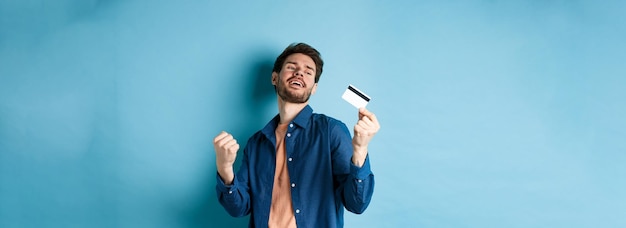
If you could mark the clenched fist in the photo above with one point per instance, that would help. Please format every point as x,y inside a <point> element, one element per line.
<point>226,148</point>
<point>364,131</point>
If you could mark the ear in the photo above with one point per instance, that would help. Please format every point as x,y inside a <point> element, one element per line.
<point>274,78</point>
<point>314,88</point>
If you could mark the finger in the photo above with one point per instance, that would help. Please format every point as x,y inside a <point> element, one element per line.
<point>225,140</point>
<point>220,136</point>
<point>369,126</point>
<point>361,109</point>
<point>230,144</point>
<point>367,121</point>
<point>371,122</point>
<point>364,112</point>
<point>364,128</point>
<point>358,130</point>
<point>366,124</point>
<point>236,147</point>
<point>371,118</point>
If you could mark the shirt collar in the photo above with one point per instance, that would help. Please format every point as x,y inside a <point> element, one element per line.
<point>300,120</point>
<point>303,117</point>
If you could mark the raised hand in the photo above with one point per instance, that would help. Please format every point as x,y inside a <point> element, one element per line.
<point>226,148</point>
<point>364,131</point>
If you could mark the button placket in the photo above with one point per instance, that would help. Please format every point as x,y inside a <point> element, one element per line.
<point>288,132</point>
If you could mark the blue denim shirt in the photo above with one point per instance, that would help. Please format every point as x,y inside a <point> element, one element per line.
<point>324,180</point>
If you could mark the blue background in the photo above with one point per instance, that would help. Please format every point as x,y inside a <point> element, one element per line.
<point>493,113</point>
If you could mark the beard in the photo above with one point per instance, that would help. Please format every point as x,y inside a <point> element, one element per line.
<point>292,96</point>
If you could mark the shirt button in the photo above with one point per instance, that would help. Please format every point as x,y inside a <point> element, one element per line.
<point>288,134</point>
<point>290,159</point>
<point>230,192</point>
<point>359,180</point>
<point>297,211</point>
<point>290,125</point>
<point>293,185</point>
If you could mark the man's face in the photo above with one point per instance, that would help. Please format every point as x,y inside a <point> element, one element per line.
<point>295,82</point>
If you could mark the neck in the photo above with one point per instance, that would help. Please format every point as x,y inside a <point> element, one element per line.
<point>288,111</point>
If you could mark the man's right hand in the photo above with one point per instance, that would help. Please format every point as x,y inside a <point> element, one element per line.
<point>226,148</point>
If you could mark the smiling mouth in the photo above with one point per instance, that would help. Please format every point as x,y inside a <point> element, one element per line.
<point>297,83</point>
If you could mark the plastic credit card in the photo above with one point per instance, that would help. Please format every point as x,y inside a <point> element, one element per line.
<point>355,97</point>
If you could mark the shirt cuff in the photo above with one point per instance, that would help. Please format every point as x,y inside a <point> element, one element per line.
<point>362,172</point>
<point>222,187</point>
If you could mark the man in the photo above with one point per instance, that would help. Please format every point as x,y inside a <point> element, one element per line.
<point>302,168</point>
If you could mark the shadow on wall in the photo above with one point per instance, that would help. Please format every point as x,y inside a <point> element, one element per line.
<point>207,211</point>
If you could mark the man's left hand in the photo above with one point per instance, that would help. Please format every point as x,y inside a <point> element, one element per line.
<point>364,131</point>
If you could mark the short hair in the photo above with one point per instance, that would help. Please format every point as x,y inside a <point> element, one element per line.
<point>303,49</point>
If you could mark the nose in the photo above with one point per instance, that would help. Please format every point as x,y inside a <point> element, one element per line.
<point>298,72</point>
